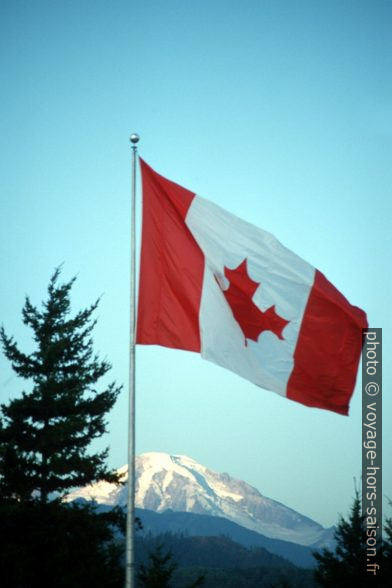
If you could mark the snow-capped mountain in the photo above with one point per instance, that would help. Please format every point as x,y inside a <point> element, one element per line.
<point>179,483</point>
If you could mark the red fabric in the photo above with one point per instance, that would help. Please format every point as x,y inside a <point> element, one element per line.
<point>171,267</point>
<point>172,264</point>
<point>328,349</point>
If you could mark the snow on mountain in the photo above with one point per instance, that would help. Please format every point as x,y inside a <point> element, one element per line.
<point>179,483</point>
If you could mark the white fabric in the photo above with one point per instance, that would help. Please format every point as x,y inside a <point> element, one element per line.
<point>285,281</point>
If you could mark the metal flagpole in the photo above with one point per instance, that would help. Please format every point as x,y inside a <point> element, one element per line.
<point>130,580</point>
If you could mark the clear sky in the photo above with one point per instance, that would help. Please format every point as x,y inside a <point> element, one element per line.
<point>280,112</point>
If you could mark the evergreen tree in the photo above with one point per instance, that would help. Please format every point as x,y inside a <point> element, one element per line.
<point>387,549</point>
<point>159,572</point>
<point>344,567</point>
<point>60,545</point>
<point>45,434</point>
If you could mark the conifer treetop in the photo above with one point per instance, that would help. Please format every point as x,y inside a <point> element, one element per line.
<point>46,432</point>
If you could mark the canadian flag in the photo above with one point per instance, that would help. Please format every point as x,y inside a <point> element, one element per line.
<point>217,285</point>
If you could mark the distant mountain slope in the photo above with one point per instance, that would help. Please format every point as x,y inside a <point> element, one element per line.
<point>203,525</point>
<point>181,484</point>
<point>218,552</point>
<point>224,563</point>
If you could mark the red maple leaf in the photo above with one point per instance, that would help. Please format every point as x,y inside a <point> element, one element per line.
<point>250,318</point>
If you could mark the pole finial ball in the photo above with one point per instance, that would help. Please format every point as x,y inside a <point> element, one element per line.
<point>134,138</point>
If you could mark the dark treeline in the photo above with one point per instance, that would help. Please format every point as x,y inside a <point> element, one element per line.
<point>222,563</point>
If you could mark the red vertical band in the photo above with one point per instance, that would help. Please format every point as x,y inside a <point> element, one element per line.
<point>171,267</point>
<point>328,349</point>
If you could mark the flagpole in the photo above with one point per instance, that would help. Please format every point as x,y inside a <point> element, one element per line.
<point>130,579</point>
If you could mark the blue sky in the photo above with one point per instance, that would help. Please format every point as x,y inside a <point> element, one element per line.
<point>278,111</point>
